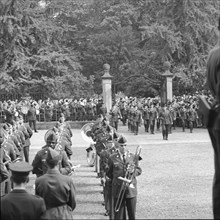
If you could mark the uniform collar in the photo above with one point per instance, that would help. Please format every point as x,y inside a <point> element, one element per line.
<point>53,171</point>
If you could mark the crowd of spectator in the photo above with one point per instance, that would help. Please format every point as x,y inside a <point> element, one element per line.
<point>50,110</point>
<point>89,109</point>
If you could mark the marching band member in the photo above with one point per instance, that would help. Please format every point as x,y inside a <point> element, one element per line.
<point>115,116</point>
<point>32,116</point>
<point>4,158</point>
<point>19,203</point>
<point>146,118</point>
<point>191,116</point>
<point>152,117</point>
<point>26,129</point>
<point>183,116</point>
<point>57,190</point>
<point>120,164</point>
<point>106,182</point>
<point>65,124</point>
<point>137,117</point>
<point>166,121</point>
<point>39,162</point>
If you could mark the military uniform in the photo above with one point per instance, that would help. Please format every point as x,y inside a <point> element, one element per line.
<point>19,204</point>
<point>57,190</point>
<point>166,121</point>
<point>115,115</point>
<point>32,117</point>
<point>191,117</point>
<point>117,168</point>
<point>183,117</point>
<point>152,118</point>
<point>146,118</point>
<point>39,162</point>
<point>137,117</point>
<point>104,156</point>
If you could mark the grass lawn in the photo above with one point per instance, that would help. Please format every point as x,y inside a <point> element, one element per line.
<point>176,181</point>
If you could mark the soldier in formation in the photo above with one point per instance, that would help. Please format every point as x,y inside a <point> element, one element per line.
<point>113,146</point>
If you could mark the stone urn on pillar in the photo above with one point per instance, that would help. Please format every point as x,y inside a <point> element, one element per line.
<point>167,86</point>
<point>107,87</point>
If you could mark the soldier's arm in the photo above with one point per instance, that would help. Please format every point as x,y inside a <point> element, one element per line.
<point>68,150</point>
<point>29,130</point>
<point>65,169</point>
<point>4,173</point>
<point>72,197</point>
<point>102,169</point>
<point>12,153</point>
<point>17,143</point>
<point>37,165</point>
<point>109,172</point>
<point>25,132</point>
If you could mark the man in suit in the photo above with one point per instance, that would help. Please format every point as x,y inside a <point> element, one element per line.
<point>57,190</point>
<point>213,81</point>
<point>19,204</point>
<point>124,164</point>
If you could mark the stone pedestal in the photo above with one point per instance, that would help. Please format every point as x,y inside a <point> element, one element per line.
<point>167,87</point>
<point>107,87</point>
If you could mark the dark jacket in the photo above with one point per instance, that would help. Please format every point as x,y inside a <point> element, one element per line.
<point>4,174</point>
<point>21,205</point>
<point>32,115</point>
<point>58,192</point>
<point>118,168</point>
<point>39,162</point>
<point>213,81</point>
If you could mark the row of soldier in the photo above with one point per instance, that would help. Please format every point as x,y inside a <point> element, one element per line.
<point>114,164</point>
<point>136,114</point>
<point>53,168</point>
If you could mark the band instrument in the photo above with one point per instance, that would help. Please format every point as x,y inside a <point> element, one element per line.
<point>85,133</point>
<point>24,109</point>
<point>127,180</point>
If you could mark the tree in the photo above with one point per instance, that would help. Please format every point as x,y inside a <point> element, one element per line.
<point>36,52</point>
<point>182,32</point>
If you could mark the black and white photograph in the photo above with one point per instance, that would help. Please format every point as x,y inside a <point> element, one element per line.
<point>109,109</point>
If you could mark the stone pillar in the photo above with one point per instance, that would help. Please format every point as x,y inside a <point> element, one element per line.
<point>167,87</point>
<point>107,87</point>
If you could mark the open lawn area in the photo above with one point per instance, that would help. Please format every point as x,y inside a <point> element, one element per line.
<point>176,182</point>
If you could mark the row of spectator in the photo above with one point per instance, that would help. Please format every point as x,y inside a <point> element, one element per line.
<point>89,109</point>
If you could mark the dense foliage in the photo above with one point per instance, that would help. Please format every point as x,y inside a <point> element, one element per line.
<point>59,47</point>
